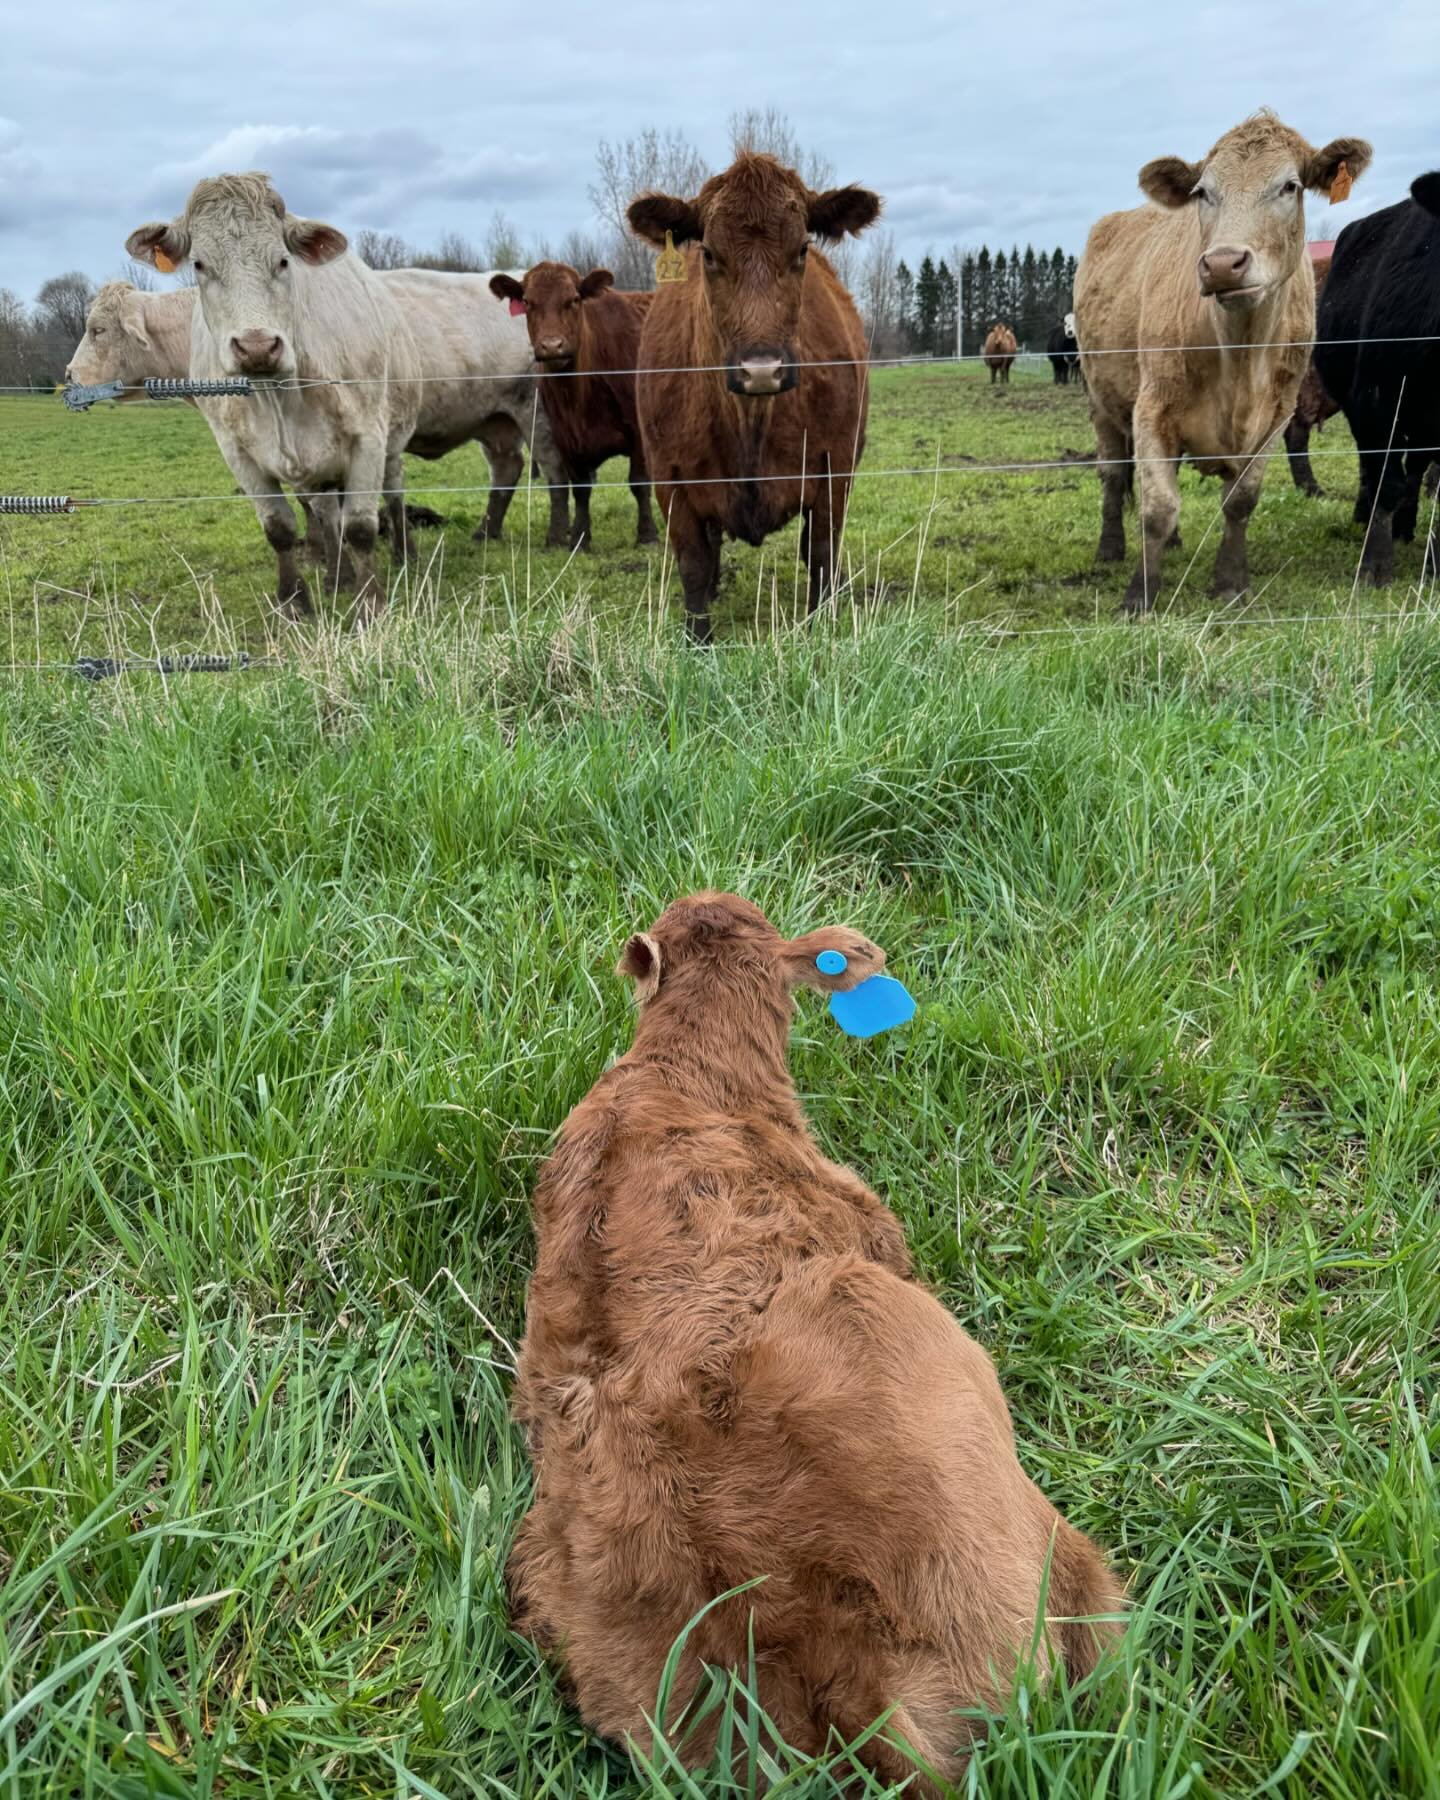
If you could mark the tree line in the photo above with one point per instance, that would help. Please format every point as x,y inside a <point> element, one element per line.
<point>906,312</point>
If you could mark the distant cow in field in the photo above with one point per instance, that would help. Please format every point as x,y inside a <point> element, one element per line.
<point>731,1375</point>
<point>999,351</point>
<point>1385,284</point>
<point>585,337</point>
<point>1313,406</point>
<point>1215,274</point>
<point>773,423</point>
<point>1063,351</point>
<point>337,394</point>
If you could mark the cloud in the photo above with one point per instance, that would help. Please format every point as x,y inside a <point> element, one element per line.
<point>381,174</point>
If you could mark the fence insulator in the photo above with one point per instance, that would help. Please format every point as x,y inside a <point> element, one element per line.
<point>96,668</point>
<point>28,504</point>
<point>78,398</point>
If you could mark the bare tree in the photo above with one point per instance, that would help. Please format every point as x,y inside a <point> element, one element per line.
<point>767,130</point>
<point>63,302</point>
<point>455,253</point>
<point>639,165</point>
<point>383,250</point>
<point>16,351</point>
<point>877,295</point>
<point>503,248</point>
<point>139,275</point>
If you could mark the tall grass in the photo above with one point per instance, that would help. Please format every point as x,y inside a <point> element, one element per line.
<point>301,973</point>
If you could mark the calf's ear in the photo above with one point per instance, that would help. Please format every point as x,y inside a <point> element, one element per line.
<point>1170,180</point>
<point>313,242</point>
<point>652,215</point>
<point>640,960</point>
<point>829,216</point>
<point>506,287</point>
<point>1425,191</point>
<point>595,283</point>
<point>1324,165</point>
<point>835,957</point>
<point>164,247</point>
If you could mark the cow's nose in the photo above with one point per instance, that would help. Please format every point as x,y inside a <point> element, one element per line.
<point>761,374</point>
<point>257,352</point>
<point>553,346</point>
<point>1222,269</point>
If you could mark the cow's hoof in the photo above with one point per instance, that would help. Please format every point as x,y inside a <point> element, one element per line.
<point>558,540</point>
<point>1110,553</point>
<point>647,540</point>
<point>423,518</point>
<point>1376,575</point>
<point>485,534</point>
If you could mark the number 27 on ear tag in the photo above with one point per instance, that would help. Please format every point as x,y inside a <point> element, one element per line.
<point>670,263</point>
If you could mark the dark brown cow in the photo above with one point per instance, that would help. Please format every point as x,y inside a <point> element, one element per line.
<point>1313,406</point>
<point>774,422</point>
<point>731,1374</point>
<point>586,338</point>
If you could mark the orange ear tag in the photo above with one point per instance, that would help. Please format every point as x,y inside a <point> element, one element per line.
<point>1340,187</point>
<point>163,263</point>
<point>670,263</point>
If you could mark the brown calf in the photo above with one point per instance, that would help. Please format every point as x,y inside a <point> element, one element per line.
<point>730,1373</point>
<point>773,422</point>
<point>998,351</point>
<point>586,339</point>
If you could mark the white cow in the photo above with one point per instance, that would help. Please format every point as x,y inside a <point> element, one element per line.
<point>280,299</point>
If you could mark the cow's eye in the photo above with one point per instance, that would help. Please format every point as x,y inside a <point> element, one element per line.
<point>800,255</point>
<point>97,331</point>
<point>282,265</point>
<point>709,256</point>
<point>1292,186</point>
<point>199,266</point>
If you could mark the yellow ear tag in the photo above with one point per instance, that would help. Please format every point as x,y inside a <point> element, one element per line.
<point>670,263</point>
<point>164,264</point>
<point>1340,187</point>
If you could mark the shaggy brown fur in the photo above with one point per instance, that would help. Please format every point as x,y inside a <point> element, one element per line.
<point>586,337</point>
<point>761,437</point>
<point>730,1371</point>
<point>1217,269</point>
<point>1000,350</point>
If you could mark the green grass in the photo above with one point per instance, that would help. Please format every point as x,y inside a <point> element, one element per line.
<point>303,970</point>
<point>1016,547</point>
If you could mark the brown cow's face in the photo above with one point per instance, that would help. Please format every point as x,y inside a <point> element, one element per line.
<point>1248,196</point>
<point>754,224</point>
<point>552,296</point>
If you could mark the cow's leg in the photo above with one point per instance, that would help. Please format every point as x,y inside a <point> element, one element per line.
<point>1112,449</point>
<point>556,475</point>
<point>504,449</point>
<point>695,544</point>
<point>1297,446</point>
<point>645,532</point>
<point>277,520</point>
<point>361,517</point>
<point>1232,563</point>
<point>323,510</point>
<point>1156,451</point>
<point>395,505</point>
<point>1387,495</point>
<point>824,522</point>
<point>582,481</point>
<point>1407,513</point>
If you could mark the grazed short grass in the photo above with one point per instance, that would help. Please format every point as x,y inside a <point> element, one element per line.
<point>1016,546</point>
<point>302,971</point>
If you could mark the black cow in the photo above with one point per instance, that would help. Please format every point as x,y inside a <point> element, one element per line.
<point>1385,285</point>
<point>1063,351</point>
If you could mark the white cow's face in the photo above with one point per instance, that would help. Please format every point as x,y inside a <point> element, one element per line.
<point>116,346</point>
<point>1248,199</point>
<point>248,255</point>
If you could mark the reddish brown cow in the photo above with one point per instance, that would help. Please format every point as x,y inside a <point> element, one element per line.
<point>730,1374</point>
<point>999,350</point>
<point>774,422</point>
<point>586,338</point>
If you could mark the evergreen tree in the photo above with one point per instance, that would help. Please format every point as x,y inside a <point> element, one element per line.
<point>927,306</point>
<point>905,305</point>
<point>949,300</point>
<point>968,342</point>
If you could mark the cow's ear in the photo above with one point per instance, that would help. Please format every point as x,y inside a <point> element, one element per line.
<point>1425,191</point>
<point>1324,165</point>
<point>506,287</point>
<point>640,961</point>
<point>838,211</point>
<point>652,215</point>
<point>313,242</point>
<point>595,283</point>
<point>1170,180</point>
<point>164,247</point>
<point>833,959</point>
<point>132,321</point>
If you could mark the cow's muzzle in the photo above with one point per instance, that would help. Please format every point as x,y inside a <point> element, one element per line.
<point>258,353</point>
<point>760,374</point>
<point>1228,275</point>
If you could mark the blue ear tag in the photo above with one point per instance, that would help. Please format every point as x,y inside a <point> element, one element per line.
<point>877,1005</point>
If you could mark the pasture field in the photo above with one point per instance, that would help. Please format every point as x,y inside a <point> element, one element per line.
<point>1015,547</point>
<point>304,967</point>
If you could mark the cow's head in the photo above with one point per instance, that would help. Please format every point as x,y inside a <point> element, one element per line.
<point>754,224</point>
<point>1425,192</point>
<point>551,295</point>
<point>1248,197</point>
<point>244,249</point>
<point>116,346</point>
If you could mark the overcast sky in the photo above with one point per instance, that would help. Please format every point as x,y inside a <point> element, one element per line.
<point>975,122</point>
